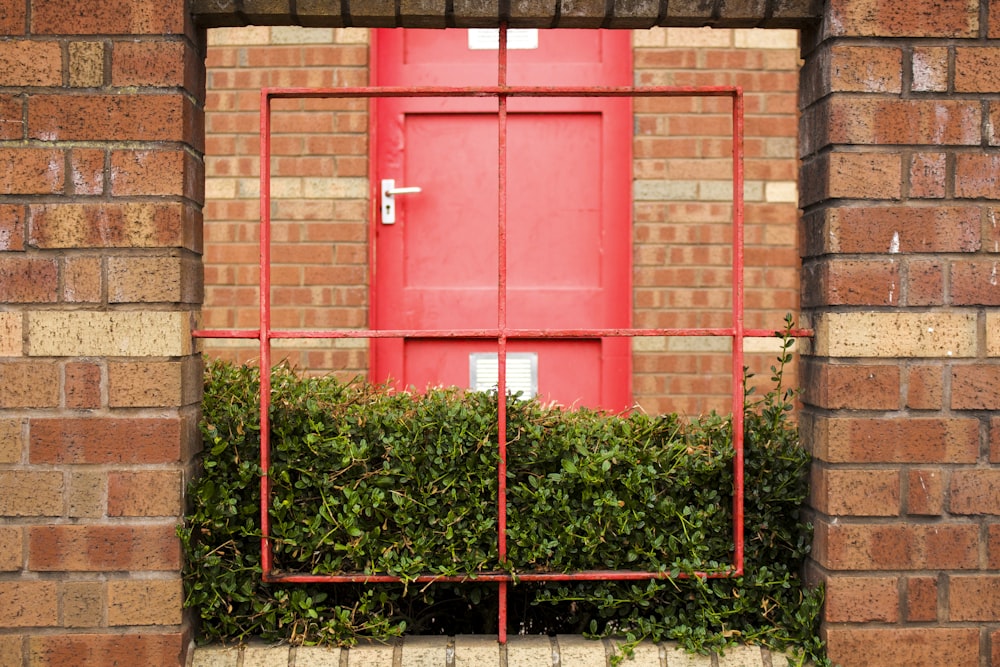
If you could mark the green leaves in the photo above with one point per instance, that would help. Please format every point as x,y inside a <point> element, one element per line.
<point>368,480</point>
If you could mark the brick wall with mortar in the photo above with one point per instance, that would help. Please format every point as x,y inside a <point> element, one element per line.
<point>682,176</point>
<point>899,146</point>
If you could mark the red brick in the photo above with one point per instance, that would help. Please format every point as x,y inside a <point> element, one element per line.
<point>906,229</point>
<point>866,69</point>
<point>28,280</point>
<point>145,493</point>
<point>11,228</point>
<point>13,18</point>
<point>975,176</point>
<point>975,492</point>
<point>106,440</point>
<point>921,599</point>
<point>93,17</point>
<point>927,175</point>
<point>977,70</point>
<point>925,282</point>
<point>103,548</point>
<point>87,171</point>
<point>895,121</point>
<point>853,176</point>
<point>902,18</point>
<point>993,546</point>
<point>974,597</point>
<point>912,440</point>
<point>83,385</point>
<point>31,171</point>
<point>157,63</point>
<point>166,117</point>
<point>155,172</point>
<point>850,386</point>
<point>862,599</point>
<point>28,384</point>
<point>975,387</point>
<point>72,650</point>
<point>31,63</point>
<point>925,492</point>
<point>975,283</point>
<point>902,647</point>
<point>28,604</point>
<point>113,225</point>
<point>896,546</point>
<point>855,492</point>
<point>993,125</point>
<point>82,279</point>
<point>851,282</point>
<point>11,113</point>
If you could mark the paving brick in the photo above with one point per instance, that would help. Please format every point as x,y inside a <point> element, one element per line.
<point>472,651</point>
<point>217,656</point>
<point>114,334</point>
<point>577,650</point>
<point>741,656</point>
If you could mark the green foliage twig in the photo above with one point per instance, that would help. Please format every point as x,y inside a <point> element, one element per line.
<point>369,480</point>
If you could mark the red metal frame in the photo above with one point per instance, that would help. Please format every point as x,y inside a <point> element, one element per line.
<point>502,334</point>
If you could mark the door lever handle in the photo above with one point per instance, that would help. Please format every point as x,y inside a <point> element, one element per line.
<point>389,192</point>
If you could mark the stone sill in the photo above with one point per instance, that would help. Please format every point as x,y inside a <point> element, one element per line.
<point>480,651</point>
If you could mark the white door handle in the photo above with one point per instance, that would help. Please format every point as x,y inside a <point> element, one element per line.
<point>389,192</point>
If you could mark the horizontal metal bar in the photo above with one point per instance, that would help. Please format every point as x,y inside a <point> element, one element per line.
<point>583,575</point>
<point>506,91</point>
<point>495,333</point>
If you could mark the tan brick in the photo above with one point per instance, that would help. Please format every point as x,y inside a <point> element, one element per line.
<point>82,280</point>
<point>898,334</point>
<point>145,493</point>
<point>29,604</point>
<point>86,493</point>
<point>153,279</point>
<point>11,549</point>
<point>29,385</point>
<point>156,384</point>
<point>528,651</point>
<point>11,652</point>
<point>10,441</point>
<point>103,548</point>
<point>86,64</point>
<point>471,651</point>
<point>112,334</point>
<point>112,225</point>
<point>83,604</point>
<point>145,602</point>
<point>11,341</point>
<point>106,440</point>
<point>316,656</point>
<point>31,493</point>
<point>224,656</point>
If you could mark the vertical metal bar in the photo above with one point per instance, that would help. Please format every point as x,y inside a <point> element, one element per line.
<point>738,330</point>
<point>502,326</point>
<point>265,329</point>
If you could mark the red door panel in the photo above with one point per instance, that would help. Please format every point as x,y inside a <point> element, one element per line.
<point>568,216</point>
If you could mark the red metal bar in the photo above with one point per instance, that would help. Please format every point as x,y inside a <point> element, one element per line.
<point>502,577</point>
<point>502,325</point>
<point>493,333</point>
<point>265,328</point>
<point>738,334</point>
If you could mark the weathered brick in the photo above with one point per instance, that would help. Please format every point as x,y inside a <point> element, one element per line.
<point>145,602</point>
<point>87,171</point>
<point>85,497</point>
<point>851,282</point>
<point>103,548</point>
<point>974,175</point>
<point>83,604</point>
<point>31,171</point>
<point>90,440</point>
<point>902,647</point>
<point>11,550</point>
<point>113,225</point>
<point>850,386</point>
<point>975,387</point>
<point>82,388</point>
<point>28,279</point>
<point>911,440</point>
<point>88,117</point>
<point>154,279</point>
<point>855,492</point>
<point>921,599</point>
<point>29,385</point>
<point>903,18</point>
<point>31,493</point>
<point>70,650</point>
<point>31,63</point>
<point>975,492</point>
<point>865,69</point>
<point>116,334</point>
<point>145,493</point>
<point>925,492</point>
<point>156,172</point>
<point>886,229</point>
<point>29,604</point>
<point>894,121</point>
<point>86,64</point>
<point>896,546</point>
<point>11,227</point>
<point>82,279</point>
<point>895,334</point>
<point>862,599</point>
<point>929,69</point>
<point>85,17</point>
<point>11,445</point>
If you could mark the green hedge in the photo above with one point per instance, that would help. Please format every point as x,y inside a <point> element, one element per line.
<point>369,480</point>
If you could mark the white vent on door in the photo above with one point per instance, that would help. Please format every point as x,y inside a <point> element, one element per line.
<point>522,372</point>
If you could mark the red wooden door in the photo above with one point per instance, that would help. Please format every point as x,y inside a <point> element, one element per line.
<point>568,214</point>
